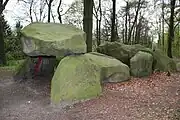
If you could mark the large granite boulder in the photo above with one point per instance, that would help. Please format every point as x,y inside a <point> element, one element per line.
<point>79,77</point>
<point>124,53</point>
<point>76,78</point>
<point>112,70</point>
<point>52,39</point>
<point>162,62</point>
<point>141,64</point>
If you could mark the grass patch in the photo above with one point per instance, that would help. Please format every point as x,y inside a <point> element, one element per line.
<point>12,65</point>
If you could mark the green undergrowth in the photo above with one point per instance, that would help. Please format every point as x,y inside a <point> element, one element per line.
<point>12,65</point>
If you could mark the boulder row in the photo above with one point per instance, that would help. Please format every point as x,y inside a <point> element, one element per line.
<point>124,53</point>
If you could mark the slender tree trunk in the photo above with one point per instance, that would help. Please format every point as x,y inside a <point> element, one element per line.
<point>171,29</point>
<point>97,31</point>
<point>49,13</point>
<point>163,24</point>
<point>30,10</point>
<point>126,23</point>
<point>53,17</point>
<point>159,33</point>
<point>49,10</point>
<point>100,19</point>
<point>135,20</point>
<point>113,20</point>
<point>59,12</point>
<point>87,23</point>
<point>2,50</point>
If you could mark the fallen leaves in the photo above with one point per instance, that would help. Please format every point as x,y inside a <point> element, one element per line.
<point>154,97</point>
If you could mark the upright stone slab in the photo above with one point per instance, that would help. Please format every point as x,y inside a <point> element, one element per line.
<point>76,78</point>
<point>52,39</point>
<point>141,64</point>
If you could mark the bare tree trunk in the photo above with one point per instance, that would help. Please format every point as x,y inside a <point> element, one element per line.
<point>171,29</point>
<point>135,20</point>
<point>52,15</point>
<point>49,9</point>
<point>87,23</point>
<point>59,12</point>
<point>126,21</point>
<point>113,20</point>
<point>163,24</point>
<point>2,47</point>
<point>97,31</point>
<point>159,33</point>
<point>30,10</point>
<point>42,6</point>
<point>100,12</point>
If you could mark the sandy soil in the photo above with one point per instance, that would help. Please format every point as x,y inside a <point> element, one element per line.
<point>154,98</point>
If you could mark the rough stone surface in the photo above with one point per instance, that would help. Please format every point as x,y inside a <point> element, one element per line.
<point>178,66</point>
<point>124,53</point>
<point>163,62</point>
<point>141,64</point>
<point>52,39</point>
<point>76,78</point>
<point>79,77</point>
<point>112,70</point>
<point>120,51</point>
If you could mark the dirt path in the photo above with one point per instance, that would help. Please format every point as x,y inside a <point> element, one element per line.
<point>153,98</point>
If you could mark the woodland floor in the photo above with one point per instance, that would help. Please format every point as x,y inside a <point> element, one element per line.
<point>154,98</point>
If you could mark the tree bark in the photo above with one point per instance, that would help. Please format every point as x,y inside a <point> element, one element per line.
<point>135,20</point>
<point>2,50</point>
<point>49,10</point>
<point>113,20</point>
<point>87,23</point>
<point>171,29</point>
<point>163,24</point>
<point>126,22</point>
<point>59,12</point>
<point>100,19</point>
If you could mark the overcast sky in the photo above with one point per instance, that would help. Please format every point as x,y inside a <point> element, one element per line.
<point>13,11</point>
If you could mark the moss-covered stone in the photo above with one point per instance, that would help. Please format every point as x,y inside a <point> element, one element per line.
<point>120,51</point>
<point>24,69</point>
<point>112,70</point>
<point>163,62</point>
<point>141,64</point>
<point>52,39</point>
<point>79,77</point>
<point>76,78</point>
<point>124,53</point>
